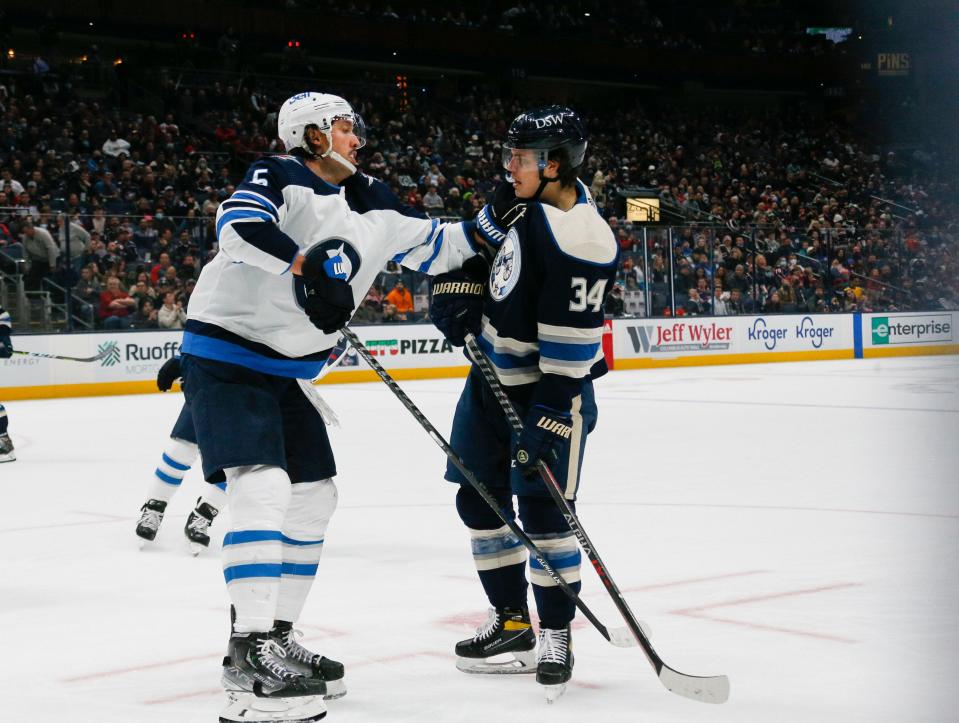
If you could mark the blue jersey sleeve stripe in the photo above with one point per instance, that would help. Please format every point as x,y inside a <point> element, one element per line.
<point>258,189</point>
<point>568,352</point>
<point>438,245</point>
<point>239,215</point>
<point>242,572</point>
<point>243,204</point>
<point>256,198</point>
<point>508,361</point>
<point>240,537</point>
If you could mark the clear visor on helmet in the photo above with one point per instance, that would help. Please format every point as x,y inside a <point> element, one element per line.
<point>521,159</point>
<point>357,126</point>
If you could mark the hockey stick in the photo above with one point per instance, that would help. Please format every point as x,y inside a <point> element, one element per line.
<point>619,636</point>
<point>714,689</point>
<point>102,355</point>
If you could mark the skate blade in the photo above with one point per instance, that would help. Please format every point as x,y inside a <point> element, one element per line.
<point>554,692</point>
<point>515,663</point>
<point>247,708</point>
<point>196,548</point>
<point>335,689</point>
<point>8,458</point>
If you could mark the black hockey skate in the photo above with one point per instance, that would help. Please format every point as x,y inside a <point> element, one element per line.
<point>197,528</point>
<point>307,662</point>
<point>6,449</point>
<point>260,688</point>
<point>554,661</point>
<point>150,518</point>
<point>256,663</point>
<point>503,644</point>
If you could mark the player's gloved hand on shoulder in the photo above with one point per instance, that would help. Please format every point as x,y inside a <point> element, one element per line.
<point>456,300</point>
<point>503,210</point>
<point>6,347</point>
<point>329,298</point>
<point>546,436</point>
<point>169,373</point>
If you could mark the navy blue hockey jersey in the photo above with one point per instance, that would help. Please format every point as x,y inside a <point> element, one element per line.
<point>543,321</point>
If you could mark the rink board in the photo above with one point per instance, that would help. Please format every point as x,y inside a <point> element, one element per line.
<point>419,351</point>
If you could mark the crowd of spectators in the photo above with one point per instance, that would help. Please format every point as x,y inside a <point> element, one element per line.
<point>794,213</point>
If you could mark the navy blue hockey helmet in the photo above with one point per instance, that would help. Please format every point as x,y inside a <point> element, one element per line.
<point>546,129</point>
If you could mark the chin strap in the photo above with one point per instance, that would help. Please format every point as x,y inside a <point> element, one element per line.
<point>309,153</point>
<point>543,182</point>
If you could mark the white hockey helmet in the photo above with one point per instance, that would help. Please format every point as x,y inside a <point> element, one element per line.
<point>321,110</point>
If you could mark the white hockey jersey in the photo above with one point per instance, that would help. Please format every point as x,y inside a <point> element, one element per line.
<point>247,307</point>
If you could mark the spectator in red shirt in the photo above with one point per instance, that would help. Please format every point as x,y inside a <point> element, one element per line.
<point>116,305</point>
<point>159,271</point>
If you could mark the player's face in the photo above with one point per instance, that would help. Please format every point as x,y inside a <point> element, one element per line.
<point>346,139</point>
<point>523,167</point>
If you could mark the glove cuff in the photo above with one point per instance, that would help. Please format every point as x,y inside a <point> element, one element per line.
<point>488,229</point>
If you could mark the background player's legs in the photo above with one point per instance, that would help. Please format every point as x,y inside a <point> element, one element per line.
<point>504,644</point>
<point>6,445</point>
<point>253,549</point>
<point>175,461</point>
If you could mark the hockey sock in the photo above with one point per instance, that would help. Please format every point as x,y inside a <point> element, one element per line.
<point>175,462</point>
<point>3,419</point>
<point>546,527</point>
<point>500,560</point>
<point>307,517</point>
<point>258,497</point>
<point>499,556</point>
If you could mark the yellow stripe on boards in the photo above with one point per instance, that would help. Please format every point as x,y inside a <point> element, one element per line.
<point>714,359</point>
<point>918,350</point>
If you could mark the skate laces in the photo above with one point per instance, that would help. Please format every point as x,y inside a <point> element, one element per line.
<point>553,645</point>
<point>489,627</point>
<point>198,523</point>
<point>150,518</point>
<point>271,654</point>
<point>293,647</point>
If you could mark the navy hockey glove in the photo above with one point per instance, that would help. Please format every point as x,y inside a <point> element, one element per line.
<point>6,348</point>
<point>169,373</point>
<point>495,218</point>
<point>329,298</point>
<point>546,436</point>
<point>456,300</point>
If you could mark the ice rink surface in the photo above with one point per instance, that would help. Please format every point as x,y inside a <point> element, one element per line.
<point>794,526</point>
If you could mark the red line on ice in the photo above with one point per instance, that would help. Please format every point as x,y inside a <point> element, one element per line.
<point>699,611</point>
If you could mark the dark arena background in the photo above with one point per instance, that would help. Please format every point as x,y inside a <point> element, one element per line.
<point>772,479</point>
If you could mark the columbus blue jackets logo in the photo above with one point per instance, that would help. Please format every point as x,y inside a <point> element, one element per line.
<point>506,267</point>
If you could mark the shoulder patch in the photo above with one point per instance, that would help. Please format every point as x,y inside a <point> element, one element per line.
<point>582,233</point>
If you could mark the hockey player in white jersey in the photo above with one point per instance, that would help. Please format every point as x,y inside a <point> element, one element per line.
<point>6,351</point>
<point>301,239</point>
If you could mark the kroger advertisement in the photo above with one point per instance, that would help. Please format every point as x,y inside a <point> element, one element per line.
<point>732,339</point>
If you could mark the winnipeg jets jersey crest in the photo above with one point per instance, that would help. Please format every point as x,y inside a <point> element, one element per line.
<point>544,313</point>
<point>247,308</point>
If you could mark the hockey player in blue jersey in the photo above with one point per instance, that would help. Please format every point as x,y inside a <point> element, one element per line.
<point>6,351</point>
<point>538,315</point>
<point>302,237</point>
